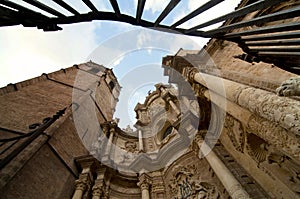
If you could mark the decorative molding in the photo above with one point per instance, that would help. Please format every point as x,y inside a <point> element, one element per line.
<point>290,87</point>
<point>184,184</point>
<point>257,148</point>
<point>235,132</point>
<point>189,73</point>
<point>144,182</point>
<point>275,135</point>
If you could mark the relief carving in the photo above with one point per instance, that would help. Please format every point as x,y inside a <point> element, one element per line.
<point>278,164</point>
<point>185,185</point>
<point>289,169</point>
<point>274,134</point>
<point>290,87</point>
<point>235,132</point>
<point>257,148</point>
<point>130,152</point>
<point>199,89</point>
<point>131,147</point>
<point>282,111</point>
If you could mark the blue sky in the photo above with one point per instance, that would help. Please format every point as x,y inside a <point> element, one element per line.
<point>27,52</point>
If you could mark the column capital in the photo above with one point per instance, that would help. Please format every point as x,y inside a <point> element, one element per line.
<point>144,181</point>
<point>97,190</point>
<point>80,184</point>
<point>189,73</point>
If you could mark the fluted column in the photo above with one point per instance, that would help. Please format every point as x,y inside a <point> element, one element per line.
<point>141,144</point>
<point>144,184</point>
<point>230,183</point>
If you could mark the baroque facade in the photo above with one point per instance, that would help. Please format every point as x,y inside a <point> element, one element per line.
<point>224,127</point>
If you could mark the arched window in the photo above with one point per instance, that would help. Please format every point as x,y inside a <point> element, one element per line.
<point>167,132</point>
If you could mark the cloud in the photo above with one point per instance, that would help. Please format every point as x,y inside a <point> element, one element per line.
<point>28,52</point>
<point>154,5</point>
<point>117,61</point>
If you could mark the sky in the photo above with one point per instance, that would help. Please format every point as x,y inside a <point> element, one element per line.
<point>28,52</point>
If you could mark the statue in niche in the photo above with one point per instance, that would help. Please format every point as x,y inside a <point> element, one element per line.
<point>203,190</point>
<point>185,186</point>
<point>128,129</point>
<point>290,87</point>
<point>130,151</point>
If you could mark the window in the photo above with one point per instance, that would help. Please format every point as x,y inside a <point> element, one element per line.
<point>111,85</point>
<point>167,132</point>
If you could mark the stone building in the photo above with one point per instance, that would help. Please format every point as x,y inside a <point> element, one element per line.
<point>225,127</point>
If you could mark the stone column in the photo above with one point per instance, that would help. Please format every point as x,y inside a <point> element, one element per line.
<point>109,142</point>
<point>141,145</point>
<point>99,184</point>
<point>282,110</point>
<point>166,95</point>
<point>269,131</point>
<point>230,183</point>
<point>82,185</point>
<point>157,185</point>
<point>144,184</point>
<point>173,105</point>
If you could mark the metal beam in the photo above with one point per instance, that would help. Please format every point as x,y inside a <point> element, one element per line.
<point>44,7</point>
<point>115,6</point>
<point>280,54</point>
<point>280,49</point>
<point>274,43</point>
<point>285,14</point>
<point>287,35</point>
<point>196,12</point>
<point>90,5</point>
<point>21,8</point>
<point>8,17</point>
<point>166,11</point>
<point>267,29</point>
<point>66,6</point>
<point>237,13</point>
<point>139,10</point>
<point>25,16</point>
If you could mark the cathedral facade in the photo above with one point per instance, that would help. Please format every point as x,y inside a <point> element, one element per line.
<point>224,127</point>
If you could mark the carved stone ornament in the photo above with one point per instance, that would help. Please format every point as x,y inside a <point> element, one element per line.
<point>97,191</point>
<point>199,89</point>
<point>235,132</point>
<point>282,166</point>
<point>80,184</point>
<point>275,135</point>
<point>257,148</point>
<point>144,182</point>
<point>289,170</point>
<point>290,87</point>
<point>131,147</point>
<point>185,185</point>
<point>189,73</point>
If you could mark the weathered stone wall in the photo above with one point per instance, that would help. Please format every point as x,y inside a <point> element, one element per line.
<point>47,168</point>
<point>44,176</point>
